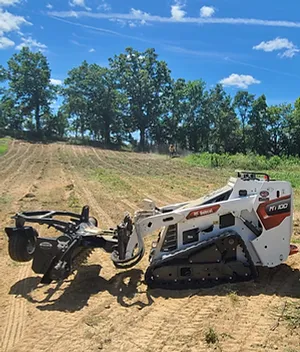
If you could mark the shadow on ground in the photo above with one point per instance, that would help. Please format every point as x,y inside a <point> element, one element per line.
<point>73,295</point>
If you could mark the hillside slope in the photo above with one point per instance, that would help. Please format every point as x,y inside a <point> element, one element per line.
<point>100,308</point>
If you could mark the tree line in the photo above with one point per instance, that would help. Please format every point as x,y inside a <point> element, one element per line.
<point>137,93</point>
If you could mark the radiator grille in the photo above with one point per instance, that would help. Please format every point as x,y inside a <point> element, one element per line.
<point>170,241</point>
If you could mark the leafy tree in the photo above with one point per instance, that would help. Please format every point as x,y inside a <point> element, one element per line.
<point>56,124</point>
<point>92,101</point>
<point>29,81</point>
<point>243,101</point>
<point>146,82</point>
<point>277,126</point>
<point>196,121</point>
<point>167,127</point>
<point>225,125</point>
<point>176,110</point>
<point>11,114</point>
<point>258,121</point>
<point>76,102</point>
<point>293,130</point>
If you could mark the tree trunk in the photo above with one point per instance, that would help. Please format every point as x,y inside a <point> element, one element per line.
<point>107,133</point>
<point>243,137</point>
<point>37,117</point>
<point>142,139</point>
<point>107,136</point>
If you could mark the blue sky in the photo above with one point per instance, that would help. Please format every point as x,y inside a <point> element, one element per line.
<point>243,44</point>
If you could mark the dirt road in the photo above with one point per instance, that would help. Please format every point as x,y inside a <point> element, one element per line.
<point>102,309</point>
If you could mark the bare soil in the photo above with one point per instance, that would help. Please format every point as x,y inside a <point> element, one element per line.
<point>103,309</point>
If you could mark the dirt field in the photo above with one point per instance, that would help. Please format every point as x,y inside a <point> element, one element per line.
<point>102,309</point>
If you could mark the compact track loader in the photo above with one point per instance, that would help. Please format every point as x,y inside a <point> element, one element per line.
<point>222,237</point>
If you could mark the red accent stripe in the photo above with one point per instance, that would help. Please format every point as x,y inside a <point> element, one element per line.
<point>293,249</point>
<point>271,221</point>
<point>203,211</point>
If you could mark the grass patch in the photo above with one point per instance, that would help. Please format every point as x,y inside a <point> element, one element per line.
<point>3,145</point>
<point>279,168</point>
<point>73,201</point>
<point>211,337</point>
<point>6,199</point>
<point>292,315</point>
<point>110,179</point>
<point>249,161</point>
<point>234,298</point>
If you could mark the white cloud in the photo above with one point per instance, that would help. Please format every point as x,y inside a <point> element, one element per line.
<point>275,44</point>
<point>31,44</point>
<point>92,50</point>
<point>10,22</point>
<point>138,19</point>
<point>289,53</point>
<point>5,43</point>
<point>177,11</point>
<point>240,81</point>
<point>8,2</point>
<point>79,3</point>
<point>139,15</point>
<point>56,82</point>
<point>278,44</point>
<point>104,6</point>
<point>122,23</point>
<point>133,24</point>
<point>206,11</point>
<point>49,6</point>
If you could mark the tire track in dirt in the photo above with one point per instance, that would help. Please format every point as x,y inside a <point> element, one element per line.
<point>260,332</point>
<point>60,328</point>
<point>47,157</point>
<point>59,333</point>
<point>17,325</point>
<point>133,185</point>
<point>142,184</point>
<point>185,178</point>
<point>12,176</point>
<point>16,316</point>
<point>14,326</point>
<point>16,157</point>
<point>89,196</point>
<point>166,324</point>
<point>127,203</point>
<point>250,325</point>
<point>165,165</point>
<point>162,175</point>
<point>11,150</point>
